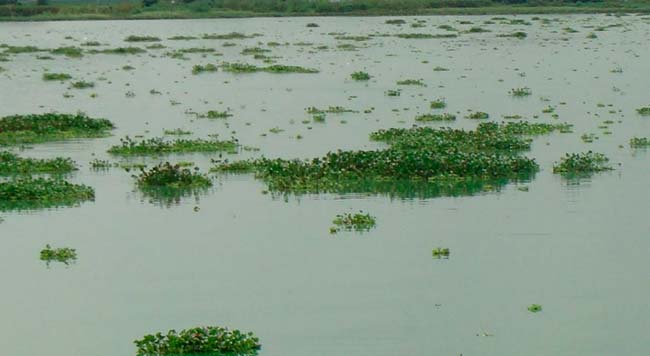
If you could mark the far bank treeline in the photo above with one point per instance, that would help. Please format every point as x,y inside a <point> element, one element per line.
<point>142,9</point>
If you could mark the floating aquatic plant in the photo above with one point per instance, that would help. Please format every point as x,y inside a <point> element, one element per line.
<point>478,115</point>
<point>637,142</point>
<point>120,50</point>
<point>359,222</point>
<point>411,82</point>
<point>200,340</point>
<point>135,38</point>
<point>98,164</point>
<point>36,128</point>
<point>229,36</point>
<point>425,35</point>
<point>38,193</point>
<point>82,85</point>
<point>56,76</point>
<point>197,69</point>
<point>535,308</point>
<point>440,252</point>
<point>520,92</point>
<point>159,146</point>
<point>520,35</point>
<point>582,163</point>
<point>171,176</point>
<point>644,111</point>
<point>329,110</point>
<point>360,76</point>
<point>64,255</point>
<point>72,52</point>
<point>438,104</point>
<point>276,68</point>
<point>11,163</point>
<point>435,117</point>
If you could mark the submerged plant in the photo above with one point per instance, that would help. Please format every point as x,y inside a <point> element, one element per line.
<point>39,193</point>
<point>64,255</point>
<point>581,163</point>
<point>200,340</point>
<point>359,222</point>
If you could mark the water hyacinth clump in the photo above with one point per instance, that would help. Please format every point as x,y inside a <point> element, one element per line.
<point>478,115</point>
<point>276,68</point>
<point>64,255</point>
<point>211,340</point>
<point>197,69</point>
<point>11,163</point>
<point>411,82</point>
<point>167,175</point>
<point>440,252</point>
<point>534,308</point>
<point>35,128</point>
<point>644,111</point>
<point>435,117</point>
<point>438,104</point>
<point>360,76</point>
<point>359,222</point>
<point>135,38</point>
<point>581,163</point>
<point>637,142</point>
<point>40,193</point>
<point>520,92</point>
<point>56,76</point>
<point>159,146</point>
<point>82,84</point>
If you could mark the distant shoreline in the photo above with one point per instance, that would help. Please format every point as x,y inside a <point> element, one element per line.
<point>105,12</point>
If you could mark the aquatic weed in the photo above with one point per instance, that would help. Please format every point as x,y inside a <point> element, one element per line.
<point>159,146</point>
<point>359,222</point>
<point>64,255</point>
<point>27,193</point>
<point>199,340</point>
<point>581,163</point>
<point>11,163</point>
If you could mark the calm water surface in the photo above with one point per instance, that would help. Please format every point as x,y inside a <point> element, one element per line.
<point>267,264</point>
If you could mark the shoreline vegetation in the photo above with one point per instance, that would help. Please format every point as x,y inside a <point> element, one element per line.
<point>44,10</point>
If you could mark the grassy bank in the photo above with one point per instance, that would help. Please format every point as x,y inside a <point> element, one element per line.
<point>248,8</point>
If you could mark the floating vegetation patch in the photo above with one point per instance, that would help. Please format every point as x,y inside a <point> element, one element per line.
<point>360,76</point>
<point>72,52</point>
<point>159,146</point>
<point>438,104</point>
<point>359,222</point>
<point>21,49</point>
<point>182,38</point>
<point>276,68</point>
<point>639,142</point>
<point>582,163</point>
<point>435,117</point>
<point>11,163</point>
<point>229,36</point>
<point>120,50</point>
<point>644,111</point>
<point>419,82</point>
<point>425,35</point>
<point>39,193</point>
<point>64,255</point>
<point>520,92</point>
<point>478,30</point>
<point>82,85</point>
<point>440,252</point>
<point>200,340</point>
<point>478,115</point>
<point>172,176</point>
<point>197,69</point>
<point>395,22</point>
<point>98,164</point>
<point>535,308</point>
<point>329,110</point>
<point>56,76</point>
<point>36,128</point>
<point>520,35</point>
<point>135,38</point>
<point>353,38</point>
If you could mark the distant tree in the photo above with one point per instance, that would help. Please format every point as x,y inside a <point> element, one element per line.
<point>147,3</point>
<point>42,2</point>
<point>8,2</point>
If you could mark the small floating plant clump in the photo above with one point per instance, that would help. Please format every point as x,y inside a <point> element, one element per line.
<point>82,84</point>
<point>40,193</point>
<point>135,38</point>
<point>438,104</point>
<point>639,142</point>
<point>56,77</point>
<point>359,222</point>
<point>478,115</point>
<point>644,111</point>
<point>435,117</point>
<point>440,252</point>
<point>360,76</point>
<point>64,255</point>
<point>582,163</point>
<point>535,308</point>
<point>210,340</point>
<point>520,92</point>
<point>276,68</point>
<point>159,146</point>
<point>411,82</point>
<point>11,163</point>
<point>519,34</point>
<point>166,175</point>
<point>36,128</point>
<point>329,110</point>
<point>198,69</point>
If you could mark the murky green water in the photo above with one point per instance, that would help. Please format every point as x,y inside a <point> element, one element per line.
<point>268,264</point>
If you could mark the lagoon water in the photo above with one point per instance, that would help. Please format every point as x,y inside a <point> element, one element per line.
<point>267,263</point>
